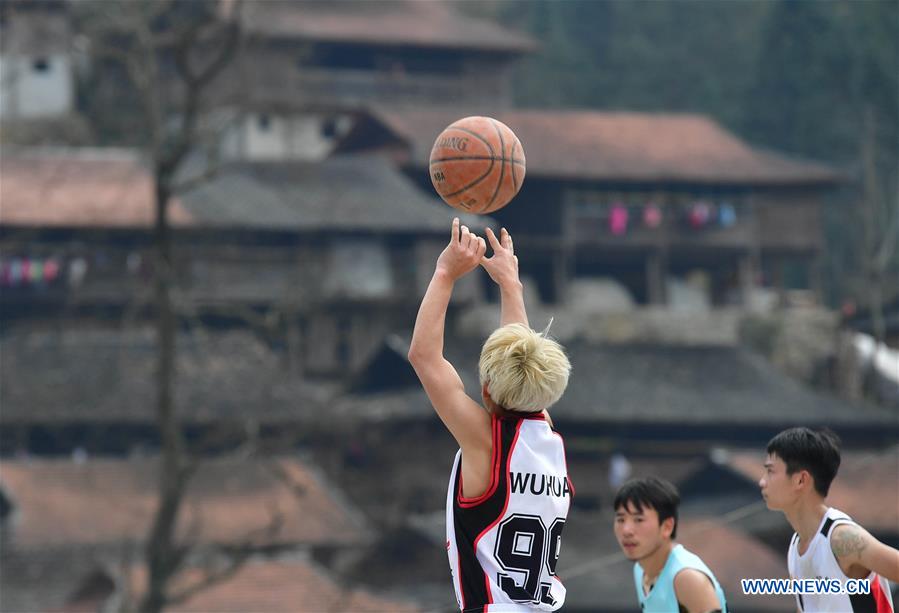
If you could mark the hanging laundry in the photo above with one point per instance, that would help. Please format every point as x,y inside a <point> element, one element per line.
<point>51,270</point>
<point>5,273</point>
<point>652,215</point>
<point>15,272</point>
<point>77,271</point>
<point>699,214</point>
<point>618,218</point>
<point>727,215</point>
<point>36,272</point>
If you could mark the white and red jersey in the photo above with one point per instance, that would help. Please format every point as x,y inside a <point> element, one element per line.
<point>819,562</point>
<point>503,546</point>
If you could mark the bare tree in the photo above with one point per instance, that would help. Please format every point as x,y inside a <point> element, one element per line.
<point>170,52</point>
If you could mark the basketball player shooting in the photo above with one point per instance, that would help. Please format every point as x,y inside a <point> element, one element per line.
<point>509,490</point>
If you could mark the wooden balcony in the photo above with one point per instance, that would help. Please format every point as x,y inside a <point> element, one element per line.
<point>357,87</point>
<point>593,230</point>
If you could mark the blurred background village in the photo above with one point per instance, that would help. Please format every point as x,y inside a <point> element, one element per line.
<point>216,224</point>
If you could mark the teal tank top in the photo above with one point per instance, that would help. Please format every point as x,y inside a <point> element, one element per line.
<point>661,598</point>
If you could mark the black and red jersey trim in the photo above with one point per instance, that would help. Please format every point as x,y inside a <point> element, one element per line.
<point>875,601</point>
<point>473,519</point>
<point>495,467</point>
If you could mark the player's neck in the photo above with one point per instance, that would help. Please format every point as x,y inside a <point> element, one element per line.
<point>653,564</point>
<point>805,517</point>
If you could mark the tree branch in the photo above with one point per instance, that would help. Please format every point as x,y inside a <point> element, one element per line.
<point>193,182</point>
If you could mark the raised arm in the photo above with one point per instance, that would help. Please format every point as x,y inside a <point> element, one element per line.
<point>466,420</point>
<point>503,269</point>
<point>856,550</point>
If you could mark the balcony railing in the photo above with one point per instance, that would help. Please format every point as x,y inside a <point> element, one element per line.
<point>595,227</point>
<point>353,87</point>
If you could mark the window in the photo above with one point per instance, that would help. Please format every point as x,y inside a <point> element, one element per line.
<point>41,64</point>
<point>264,122</point>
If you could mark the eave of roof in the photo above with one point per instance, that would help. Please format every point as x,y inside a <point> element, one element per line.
<point>586,145</point>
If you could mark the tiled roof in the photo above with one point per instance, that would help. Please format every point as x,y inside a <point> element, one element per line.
<point>590,475</point>
<point>617,146</point>
<point>653,384</point>
<point>346,193</point>
<point>42,580</point>
<point>680,384</point>
<point>866,486</point>
<point>282,586</point>
<point>78,187</point>
<point>105,502</point>
<point>60,581</point>
<point>112,189</point>
<point>86,375</point>
<point>420,23</point>
<point>92,375</point>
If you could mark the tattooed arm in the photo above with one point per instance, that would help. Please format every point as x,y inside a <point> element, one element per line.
<point>858,553</point>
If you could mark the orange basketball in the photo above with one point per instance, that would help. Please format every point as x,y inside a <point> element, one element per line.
<point>477,165</point>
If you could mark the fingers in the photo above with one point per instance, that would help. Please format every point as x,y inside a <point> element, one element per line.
<point>494,242</point>
<point>482,248</point>
<point>470,241</point>
<point>506,239</point>
<point>466,238</point>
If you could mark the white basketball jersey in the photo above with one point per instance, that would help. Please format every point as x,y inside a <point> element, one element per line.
<point>503,545</point>
<point>819,562</point>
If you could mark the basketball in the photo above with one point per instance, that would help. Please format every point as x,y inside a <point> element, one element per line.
<point>477,165</point>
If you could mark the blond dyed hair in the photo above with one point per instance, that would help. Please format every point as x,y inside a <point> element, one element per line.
<point>524,370</point>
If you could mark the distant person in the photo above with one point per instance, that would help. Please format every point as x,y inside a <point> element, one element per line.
<point>619,470</point>
<point>509,490</point>
<point>667,577</point>
<point>827,544</point>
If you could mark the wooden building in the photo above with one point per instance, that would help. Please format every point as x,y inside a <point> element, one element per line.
<point>308,67</point>
<point>639,197</point>
<point>37,73</point>
<point>327,257</point>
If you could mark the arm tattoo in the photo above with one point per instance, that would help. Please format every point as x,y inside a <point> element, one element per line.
<point>849,540</point>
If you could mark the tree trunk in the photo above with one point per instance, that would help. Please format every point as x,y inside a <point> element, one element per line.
<point>162,553</point>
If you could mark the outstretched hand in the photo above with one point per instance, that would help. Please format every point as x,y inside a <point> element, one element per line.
<point>463,254</point>
<point>503,266</point>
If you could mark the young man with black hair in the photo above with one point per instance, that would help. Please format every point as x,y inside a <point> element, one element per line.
<point>827,544</point>
<point>668,578</point>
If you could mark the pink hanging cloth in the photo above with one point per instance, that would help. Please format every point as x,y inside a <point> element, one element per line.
<point>618,219</point>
